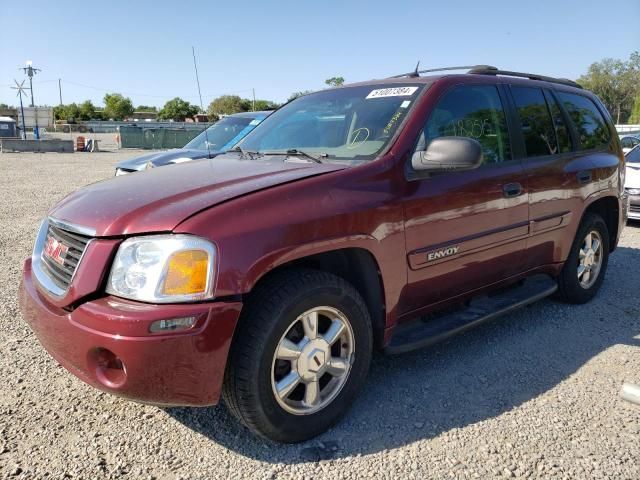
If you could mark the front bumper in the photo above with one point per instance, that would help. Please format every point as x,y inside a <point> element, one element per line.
<point>107,344</point>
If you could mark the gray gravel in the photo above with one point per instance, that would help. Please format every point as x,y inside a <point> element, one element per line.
<point>533,395</point>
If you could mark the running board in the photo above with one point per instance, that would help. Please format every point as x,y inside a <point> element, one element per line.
<point>429,330</point>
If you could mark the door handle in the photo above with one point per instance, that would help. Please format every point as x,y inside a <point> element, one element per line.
<point>584,177</point>
<point>512,190</point>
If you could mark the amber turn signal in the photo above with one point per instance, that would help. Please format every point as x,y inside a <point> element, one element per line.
<point>187,273</point>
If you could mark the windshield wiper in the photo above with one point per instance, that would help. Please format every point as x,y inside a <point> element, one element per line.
<point>299,153</point>
<point>244,152</point>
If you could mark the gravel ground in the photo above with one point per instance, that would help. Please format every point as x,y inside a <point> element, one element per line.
<point>533,395</point>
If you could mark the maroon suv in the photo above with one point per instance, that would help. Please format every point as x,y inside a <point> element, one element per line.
<point>382,215</point>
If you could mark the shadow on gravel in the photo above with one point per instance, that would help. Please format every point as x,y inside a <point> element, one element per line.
<point>471,378</point>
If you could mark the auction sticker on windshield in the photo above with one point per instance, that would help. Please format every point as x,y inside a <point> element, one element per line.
<point>392,92</point>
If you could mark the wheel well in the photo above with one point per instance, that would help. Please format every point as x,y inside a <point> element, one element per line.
<point>358,267</point>
<point>608,209</point>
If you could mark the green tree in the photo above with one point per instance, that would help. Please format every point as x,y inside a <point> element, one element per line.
<point>67,113</point>
<point>635,112</point>
<point>249,105</point>
<point>146,108</point>
<point>86,111</point>
<point>116,106</point>
<point>226,105</point>
<point>295,95</point>
<point>177,109</point>
<point>616,82</point>
<point>334,81</point>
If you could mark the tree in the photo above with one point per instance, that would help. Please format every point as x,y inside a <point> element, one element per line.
<point>295,95</point>
<point>146,108</point>
<point>260,105</point>
<point>334,81</point>
<point>68,113</point>
<point>616,82</point>
<point>116,106</point>
<point>635,112</point>
<point>226,105</point>
<point>177,109</point>
<point>86,111</point>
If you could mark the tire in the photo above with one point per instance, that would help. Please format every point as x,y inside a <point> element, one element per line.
<point>571,288</point>
<point>269,319</point>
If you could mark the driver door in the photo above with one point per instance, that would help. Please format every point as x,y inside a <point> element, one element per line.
<point>465,229</point>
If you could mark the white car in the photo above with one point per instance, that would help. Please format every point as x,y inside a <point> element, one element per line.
<point>629,142</point>
<point>632,181</point>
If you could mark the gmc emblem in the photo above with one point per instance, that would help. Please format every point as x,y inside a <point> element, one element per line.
<point>443,252</point>
<point>55,250</point>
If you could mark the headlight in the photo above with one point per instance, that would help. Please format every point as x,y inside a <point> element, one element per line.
<point>164,269</point>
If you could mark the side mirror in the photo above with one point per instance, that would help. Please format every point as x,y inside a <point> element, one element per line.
<point>448,154</point>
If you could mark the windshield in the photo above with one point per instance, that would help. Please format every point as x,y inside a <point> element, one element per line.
<point>633,156</point>
<point>353,123</point>
<point>222,134</point>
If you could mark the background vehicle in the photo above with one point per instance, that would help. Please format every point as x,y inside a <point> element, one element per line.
<point>632,181</point>
<point>385,215</point>
<point>628,142</point>
<point>222,135</point>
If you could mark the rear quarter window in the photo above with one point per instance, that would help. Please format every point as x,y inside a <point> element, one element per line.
<point>587,120</point>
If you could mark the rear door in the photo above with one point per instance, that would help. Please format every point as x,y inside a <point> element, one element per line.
<point>465,229</point>
<point>560,167</point>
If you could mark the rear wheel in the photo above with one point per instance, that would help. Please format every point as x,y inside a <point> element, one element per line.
<point>300,355</point>
<point>584,270</point>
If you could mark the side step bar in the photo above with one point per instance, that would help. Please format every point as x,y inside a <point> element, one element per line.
<point>429,330</point>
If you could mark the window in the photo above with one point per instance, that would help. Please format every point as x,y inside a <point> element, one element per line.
<point>353,123</point>
<point>629,142</point>
<point>535,120</point>
<point>562,132</point>
<point>220,133</point>
<point>475,112</point>
<point>633,156</point>
<point>587,119</point>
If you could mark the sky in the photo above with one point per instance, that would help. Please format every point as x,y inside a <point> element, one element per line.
<point>142,48</point>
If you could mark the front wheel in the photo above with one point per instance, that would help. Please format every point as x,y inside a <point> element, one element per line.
<point>583,272</point>
<point>300,355</point>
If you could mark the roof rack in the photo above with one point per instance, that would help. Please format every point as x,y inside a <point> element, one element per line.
<point>488,70</point>
<point>416,72</point>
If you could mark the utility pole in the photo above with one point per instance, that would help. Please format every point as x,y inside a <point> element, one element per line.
<point>60,90</point>
<point>254,99</point>
<point>30,71</point>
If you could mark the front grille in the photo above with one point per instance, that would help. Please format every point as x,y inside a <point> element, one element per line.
<point>634,208</point>
<point>61,274</point>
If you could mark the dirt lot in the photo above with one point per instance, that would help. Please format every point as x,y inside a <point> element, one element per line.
<point>533,395</point>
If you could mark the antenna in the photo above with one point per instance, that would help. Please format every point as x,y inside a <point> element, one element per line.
<point>415,72</point>
<point>206,135</point>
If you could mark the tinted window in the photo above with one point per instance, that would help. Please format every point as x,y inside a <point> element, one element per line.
<point>629,142</point>
<point>535,120</point>
<point>475,112</point>
<point>633,156</point>
<point>221,133</point>
<point>562,132</point>
<point>587,119</point>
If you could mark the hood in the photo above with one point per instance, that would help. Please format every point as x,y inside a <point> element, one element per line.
<point>161,158</point>
<point>157,200</point>
<point>632,177</point>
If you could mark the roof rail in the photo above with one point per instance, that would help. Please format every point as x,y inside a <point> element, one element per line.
<point>487,70</point>
<point>416,72</point>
